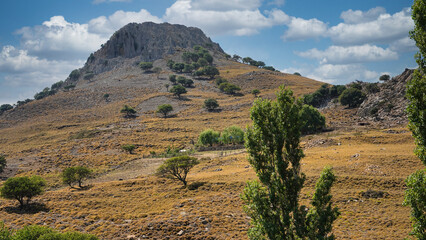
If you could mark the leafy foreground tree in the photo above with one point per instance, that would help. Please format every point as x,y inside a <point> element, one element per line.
<point>274,152</point>
<point>164,109</point>
<point>76,174</point>
<point>22,189</point>
<point>35,232</point>
<point>2,163</point>
<point>177,167</point>
<point>415,195</point>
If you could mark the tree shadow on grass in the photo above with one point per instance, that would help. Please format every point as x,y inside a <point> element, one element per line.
<point>195,185</point>
<point>31,208</point>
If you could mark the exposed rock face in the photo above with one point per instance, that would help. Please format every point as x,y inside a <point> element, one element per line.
<point>147,42</point>
<point>389,103</point>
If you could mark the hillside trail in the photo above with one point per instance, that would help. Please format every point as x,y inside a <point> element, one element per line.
<point>147,166</point>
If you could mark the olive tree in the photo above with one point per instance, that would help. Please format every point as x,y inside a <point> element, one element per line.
<point>22,188</point>
<point>352,97</point>
<point>146,66</point>
<point>211,104</point>
<point>128,111</point>
<point>177,167</point>
<point>128,148</point>
<point>273,146</point>
<point>76,174</point>
<point>178,90</point>
<point>415,195</point>
<point>164,109</point>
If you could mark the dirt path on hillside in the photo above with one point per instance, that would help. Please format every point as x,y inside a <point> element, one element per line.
<point>146,166</point>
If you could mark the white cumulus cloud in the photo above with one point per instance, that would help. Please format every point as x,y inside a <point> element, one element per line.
<point>351,54</point>
<point>300,29</point>
<point>242,20</point>
<point>385,28</point>
<point>354,17</point>
<point>342,74</point>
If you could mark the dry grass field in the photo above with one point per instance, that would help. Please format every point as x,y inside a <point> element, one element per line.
<point>125,199</point>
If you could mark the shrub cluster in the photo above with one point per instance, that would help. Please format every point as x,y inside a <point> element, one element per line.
<point>324,94</point>
<point>231,135</point>
<point>5,107</point>
<point>35,232</point>
<point>226,86</point>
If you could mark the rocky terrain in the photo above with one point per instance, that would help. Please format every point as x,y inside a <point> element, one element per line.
<point>124,200</point>
<point>388,102</point>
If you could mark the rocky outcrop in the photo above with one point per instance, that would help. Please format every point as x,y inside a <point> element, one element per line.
<point>146,42</point>
<point>389,102</point>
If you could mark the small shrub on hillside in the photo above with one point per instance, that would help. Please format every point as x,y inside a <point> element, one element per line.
<point>128,111</point>
<point>46,92</point>
<point>20,103</point>
<point>164,109</point>
<point>220,80</point>
<point>208,137</point>
<point>336,90</point>
<point>57,85</point>
<point>3,163</point>
<point>128,148</point>
<point>177,168</point>
<point>372,87</point>
<point>178,67</point>
<point>211,104</point>
<point>5,107</point>
<point>384,77</point>
<point>255,92</point>
<point>178,90</point>
<point>172,79</point>
<point>312,120</point>
<point>229,88</point>
<point>73,175</point>
<point>22,188</point>
<point>352,97</point>
<point>232,135</point>
<point>146,66</point>
<point>297,74</point>
<point>74,75</point>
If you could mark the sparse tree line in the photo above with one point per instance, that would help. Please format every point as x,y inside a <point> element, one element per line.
<point>252,62</point>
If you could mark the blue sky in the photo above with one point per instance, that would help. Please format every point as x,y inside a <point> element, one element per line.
<point>334,41</point>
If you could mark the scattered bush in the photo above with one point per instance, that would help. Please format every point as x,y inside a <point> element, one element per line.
<point>211,104</point>
<point>372,87</point>
<point>352,97</point>
<point>229,88</point>
<point>128,111</point>
<point>146,66</point>
<point>178,67</point>
<point>20,103</point>
<point>172,79</point>
<point>3,163</point>
<point>384,77</point>
<point>74,75</point>
<point>74,175</point>
<point>5,107</point>
<point>220,80</point>
<point>255,92</point>
<point>128,148</point>
<point>312,120</point>
<point>208,137</point>
<point>46,92</point>
<point>297,74</point>
<point>232,135</point>
<point>177,167</point>
<point>22,188</point>
<point>178,90</point>
<point>164,109</point>
<point>57,85</point>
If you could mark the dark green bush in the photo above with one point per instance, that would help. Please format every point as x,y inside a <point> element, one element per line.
<point>22,188</point>
<point>208,137</point>
<point>312,120</point>
<point>2,164</point>
<point>232,135</point>
<point>76,174</point>
<point>352,97</point>
<point>211,104</point>
<point>229,88</point>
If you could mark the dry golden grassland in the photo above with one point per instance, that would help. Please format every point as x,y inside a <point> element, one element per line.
<point>364,158</point>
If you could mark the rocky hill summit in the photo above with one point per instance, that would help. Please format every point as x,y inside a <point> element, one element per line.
<point>387,102</point>
<point>145,42</point>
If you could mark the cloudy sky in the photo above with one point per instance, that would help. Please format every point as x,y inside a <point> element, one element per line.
<point>333,41</point>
